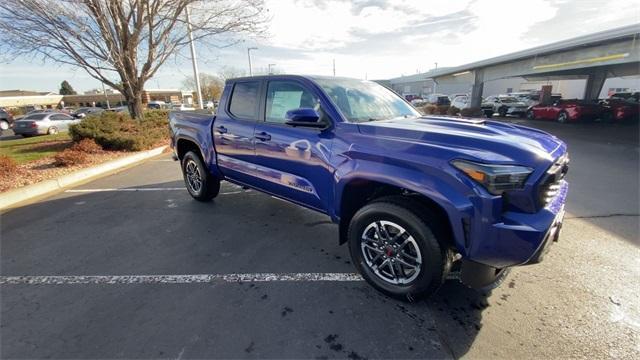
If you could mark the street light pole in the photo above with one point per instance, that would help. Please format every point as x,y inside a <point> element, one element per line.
<point>193,59</point>
<point>249,57</point>
<point>270,65</point>
<point>104,91</point>
<point>106,97</point>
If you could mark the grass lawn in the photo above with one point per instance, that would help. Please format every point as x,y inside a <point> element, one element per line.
<point>34,148</point>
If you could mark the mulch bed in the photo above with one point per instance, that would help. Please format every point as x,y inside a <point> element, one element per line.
<point>45,169</point>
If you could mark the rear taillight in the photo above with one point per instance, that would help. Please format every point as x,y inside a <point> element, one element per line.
<point>34,125</point>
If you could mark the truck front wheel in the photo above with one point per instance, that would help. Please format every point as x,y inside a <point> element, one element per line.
<point>201,185</point>
<point>396,250</point>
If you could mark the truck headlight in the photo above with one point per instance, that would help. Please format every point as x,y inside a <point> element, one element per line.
<point>495,178</point>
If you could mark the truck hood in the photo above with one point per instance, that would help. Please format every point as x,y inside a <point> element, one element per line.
<point>474,139</point>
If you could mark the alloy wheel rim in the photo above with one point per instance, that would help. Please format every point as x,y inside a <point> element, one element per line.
<point>562,117</point>
<point>4,125</point>
<point>391,252</point>
<point>194,179</point>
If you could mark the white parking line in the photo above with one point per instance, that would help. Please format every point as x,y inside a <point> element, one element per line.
<point>123,190</point>
<point>142,189</point>
<point>176,279</point>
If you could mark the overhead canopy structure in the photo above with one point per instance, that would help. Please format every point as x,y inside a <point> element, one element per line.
<point>595,57</point>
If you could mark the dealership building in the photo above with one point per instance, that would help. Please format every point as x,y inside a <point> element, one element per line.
<point>24,98</point>
<point>587,67</point>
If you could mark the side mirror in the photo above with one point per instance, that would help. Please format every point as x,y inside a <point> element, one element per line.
<point>305,117</point>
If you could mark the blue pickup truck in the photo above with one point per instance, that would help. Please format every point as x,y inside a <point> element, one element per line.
<point>418,199</point>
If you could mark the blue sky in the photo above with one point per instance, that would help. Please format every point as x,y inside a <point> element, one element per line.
<point>375,39</point>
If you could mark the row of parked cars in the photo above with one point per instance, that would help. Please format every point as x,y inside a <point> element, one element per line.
<point>48,121</point>
<point>42,122</point>
<point>52,121</point>
<point>617,107</point>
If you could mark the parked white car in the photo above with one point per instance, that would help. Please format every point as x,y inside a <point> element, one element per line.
<point>182,107</point>
<point>464,101</point>
<point>45,123</point>
<point>507,105</point>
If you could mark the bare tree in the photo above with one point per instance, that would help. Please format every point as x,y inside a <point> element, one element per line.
<point>122,43</point>
<point>211,86</point>
<point>230,72</point>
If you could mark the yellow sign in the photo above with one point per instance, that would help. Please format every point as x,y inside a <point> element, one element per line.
<point>584,61</point>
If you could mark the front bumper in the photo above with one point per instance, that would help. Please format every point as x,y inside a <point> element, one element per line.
<point>518,238</point>
<point>551,237</point>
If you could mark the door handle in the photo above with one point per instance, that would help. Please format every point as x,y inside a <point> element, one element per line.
<point>263,136</point>
<point>221,129</point>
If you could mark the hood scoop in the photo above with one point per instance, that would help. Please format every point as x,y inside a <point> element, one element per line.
<point>470,121</point>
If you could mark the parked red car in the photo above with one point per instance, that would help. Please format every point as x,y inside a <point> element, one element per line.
<point>565,111</point>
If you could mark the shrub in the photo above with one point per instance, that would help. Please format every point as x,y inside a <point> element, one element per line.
<point>429,109</point>
<point>453,110</point>
<point>442,109</point>
<point>472,112</point>
<point>70,157</point>
<point>8,166</point>
<point>88,146</point>
<point>118,131</point>
<point>17,111</point>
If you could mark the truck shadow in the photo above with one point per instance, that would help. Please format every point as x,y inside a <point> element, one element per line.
<point>135,233</point>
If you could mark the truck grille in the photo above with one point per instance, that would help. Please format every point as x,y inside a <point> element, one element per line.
<point>550,184</point>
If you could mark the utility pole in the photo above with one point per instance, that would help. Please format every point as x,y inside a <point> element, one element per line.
<point>334,67</point>
<point>249,57</point>
<point>269,66</point>
<point>194,60</point>
<point>106,97</point>
<point>436,65</point>
<point>104,91</point>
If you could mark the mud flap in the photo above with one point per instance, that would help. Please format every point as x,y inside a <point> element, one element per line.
<point>479,276</point>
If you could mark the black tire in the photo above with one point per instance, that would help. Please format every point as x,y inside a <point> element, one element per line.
<point>488,114</point>
<point>563,117</point>
<point>500,278</point>
<point>209,186</point>
<point>607,117</point>
<point>502,112</point>
<point>531,115</point>
<point>425,232</point>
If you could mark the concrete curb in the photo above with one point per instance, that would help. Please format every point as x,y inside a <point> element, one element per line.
<point>16,196</point>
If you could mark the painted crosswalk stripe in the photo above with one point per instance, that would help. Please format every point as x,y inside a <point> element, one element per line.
<point>176,279</point>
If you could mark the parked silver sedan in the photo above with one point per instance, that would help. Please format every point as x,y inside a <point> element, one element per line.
<point>43,123</point>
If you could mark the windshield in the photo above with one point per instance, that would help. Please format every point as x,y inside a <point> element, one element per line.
<point>360,100</point>
<point>508,99</point>
<point>35,117</point>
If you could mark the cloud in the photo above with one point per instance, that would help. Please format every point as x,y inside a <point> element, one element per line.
<point>379,38</point>
<point>334,24</point>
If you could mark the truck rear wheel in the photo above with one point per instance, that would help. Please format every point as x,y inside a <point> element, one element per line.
<point>201,185</point>
<point>396,250</point>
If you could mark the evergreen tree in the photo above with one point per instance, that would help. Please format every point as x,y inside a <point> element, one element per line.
<point>66,89</point>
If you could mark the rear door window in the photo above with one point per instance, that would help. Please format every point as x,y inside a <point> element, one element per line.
<point>244,100</point>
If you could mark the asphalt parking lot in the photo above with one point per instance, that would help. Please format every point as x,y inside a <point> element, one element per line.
<point>162,283</point>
